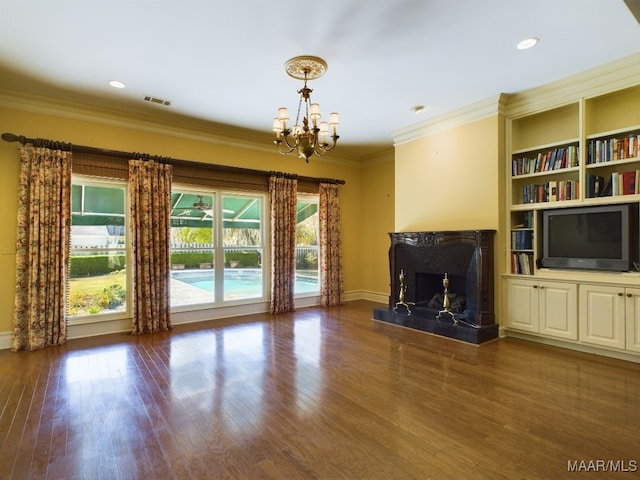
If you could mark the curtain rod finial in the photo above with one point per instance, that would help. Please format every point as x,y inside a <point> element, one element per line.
<point>9,137</point>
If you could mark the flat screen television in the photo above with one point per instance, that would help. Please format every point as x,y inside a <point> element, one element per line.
<point>590,238</point>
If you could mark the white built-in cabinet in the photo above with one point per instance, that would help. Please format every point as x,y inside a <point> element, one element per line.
<point>589,314</point>
<point>632,317</point>
<point>603,315</point>
<point>545,307</point>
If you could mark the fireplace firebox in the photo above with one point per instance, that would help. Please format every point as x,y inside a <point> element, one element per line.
<point>442,283</point>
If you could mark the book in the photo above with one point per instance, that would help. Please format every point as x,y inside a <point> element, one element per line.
<point>553,191</point>
<point>615,184</point>
<point>629,182</point>
<point>607,190</point>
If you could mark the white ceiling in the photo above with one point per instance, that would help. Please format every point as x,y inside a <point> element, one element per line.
<point>222,60</point>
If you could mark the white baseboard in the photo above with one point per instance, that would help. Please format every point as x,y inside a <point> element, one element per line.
<point>366,295</point>
<point>578,347</point>
<point>5,340</point>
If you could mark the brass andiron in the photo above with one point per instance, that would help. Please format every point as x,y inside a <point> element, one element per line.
<point>445,302</point>
<point>403,289</point>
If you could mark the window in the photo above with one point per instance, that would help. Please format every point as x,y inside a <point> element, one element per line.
<point>192,248</point>
<point>243,247</point>
<point>217,250</point>
<point>98,280</point>
<point>307,279</point>
<point>217,247</point>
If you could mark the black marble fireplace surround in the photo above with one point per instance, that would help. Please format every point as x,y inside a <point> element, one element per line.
<point>424,258</point>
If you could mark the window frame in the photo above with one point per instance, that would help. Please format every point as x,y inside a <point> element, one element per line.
<point>104,182</point>
<point>218,195</point>
<point>312,198</point>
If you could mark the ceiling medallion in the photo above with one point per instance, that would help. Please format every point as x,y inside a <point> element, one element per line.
<point>305,67</point>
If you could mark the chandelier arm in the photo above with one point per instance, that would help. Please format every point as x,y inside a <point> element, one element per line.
<point>321,149</point>
<point>286,142</point>
<point>283,146</point>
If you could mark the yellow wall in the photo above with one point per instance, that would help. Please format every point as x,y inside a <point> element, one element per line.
<point>449,180</point>
<point>452,180</point>
<point>378,214</point>
<point>129,139</point>
<point>10,168</point>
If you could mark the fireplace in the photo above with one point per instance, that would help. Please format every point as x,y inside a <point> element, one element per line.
<point>442,283</point>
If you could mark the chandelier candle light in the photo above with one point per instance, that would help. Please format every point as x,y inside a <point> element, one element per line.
<point>304,139</point>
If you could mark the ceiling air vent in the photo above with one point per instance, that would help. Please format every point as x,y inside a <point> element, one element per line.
<point>159,101</point>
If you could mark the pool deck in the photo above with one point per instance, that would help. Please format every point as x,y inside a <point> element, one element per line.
<point>184,294</point>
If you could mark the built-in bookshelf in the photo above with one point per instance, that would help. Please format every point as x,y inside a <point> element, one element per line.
<point>581,153</point>
<point>522,242</point>
<point>613,164</point>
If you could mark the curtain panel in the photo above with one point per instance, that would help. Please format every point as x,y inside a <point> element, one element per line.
<point>331,284</point>
<point>150,206</point>
<point>283,194</point>
<point>42,248</point>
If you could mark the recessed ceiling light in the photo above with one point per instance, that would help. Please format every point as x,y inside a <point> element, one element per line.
<point>418,108</point>
<point>527,43</point>
<point>116,84</point>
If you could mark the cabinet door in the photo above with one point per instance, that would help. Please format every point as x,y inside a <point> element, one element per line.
<point>559,309</point>
<point>602,315</point>
<point>522,309</point>
<point>632,313</point>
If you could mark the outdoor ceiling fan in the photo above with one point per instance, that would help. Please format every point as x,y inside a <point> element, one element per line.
<point>201,206</point>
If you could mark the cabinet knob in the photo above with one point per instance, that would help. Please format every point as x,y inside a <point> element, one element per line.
<point>541,287</point>
<point>535,286</point>
<point>629,295</point>
<point>620,294</point>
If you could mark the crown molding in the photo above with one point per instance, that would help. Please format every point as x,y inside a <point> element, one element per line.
<point>486,108</point>
<point>383,156</point>
<point>596,81</point>
<point>161,123</point>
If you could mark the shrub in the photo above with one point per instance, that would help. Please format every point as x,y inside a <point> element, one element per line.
<point>86,265</point>
<point>112,296</point>
<point>190,259</point>
<point>243,259</point>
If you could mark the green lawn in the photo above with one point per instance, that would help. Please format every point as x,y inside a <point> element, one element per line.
<point>91,295</point>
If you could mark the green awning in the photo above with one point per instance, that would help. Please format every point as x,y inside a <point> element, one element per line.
<point>194,210</point>
<point>93,205</point>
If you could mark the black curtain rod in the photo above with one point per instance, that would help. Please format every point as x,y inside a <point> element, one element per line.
<point>40,142</point>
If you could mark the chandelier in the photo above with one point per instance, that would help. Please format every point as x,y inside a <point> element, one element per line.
<point>305,139</point>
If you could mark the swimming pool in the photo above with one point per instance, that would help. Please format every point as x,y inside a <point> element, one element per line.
<point>239,282</point>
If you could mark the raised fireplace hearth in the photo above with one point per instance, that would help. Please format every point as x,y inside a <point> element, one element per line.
<point>442,283</point>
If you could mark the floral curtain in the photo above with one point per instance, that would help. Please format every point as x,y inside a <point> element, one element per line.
<point>42,248</point>
<point>331,288</point>
<point>283,191</point>
<point>150,204</point>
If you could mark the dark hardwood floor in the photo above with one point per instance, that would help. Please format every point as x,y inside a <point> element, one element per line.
<point>322,393</point>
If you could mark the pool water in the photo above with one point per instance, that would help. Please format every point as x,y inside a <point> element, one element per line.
<point>240,283</point>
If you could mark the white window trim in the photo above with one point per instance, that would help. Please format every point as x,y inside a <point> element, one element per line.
<point>115,317</point>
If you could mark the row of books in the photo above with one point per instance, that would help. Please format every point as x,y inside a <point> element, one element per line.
<point>556,159</point>
<point>522,263</point>
<point>618,183</point>
<point>610,149</point>
<point>521,240</point>
<point>553,191</point>
<point>527,218</point>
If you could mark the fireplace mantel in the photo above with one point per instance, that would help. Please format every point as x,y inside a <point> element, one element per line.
<point>422,259</point>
